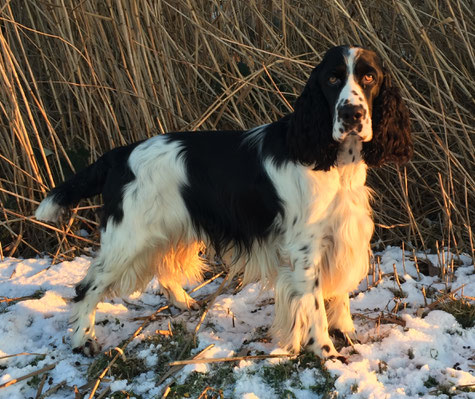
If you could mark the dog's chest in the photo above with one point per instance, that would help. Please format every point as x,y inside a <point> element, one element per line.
<point>341,218</point>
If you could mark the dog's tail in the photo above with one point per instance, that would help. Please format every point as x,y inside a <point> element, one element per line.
<point>84,184</point>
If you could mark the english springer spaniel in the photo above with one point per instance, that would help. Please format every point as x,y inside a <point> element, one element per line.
<point>287,200</point>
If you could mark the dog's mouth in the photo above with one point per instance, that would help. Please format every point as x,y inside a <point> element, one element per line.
<point>354,134</point>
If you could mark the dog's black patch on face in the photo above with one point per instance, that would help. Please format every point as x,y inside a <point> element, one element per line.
<point>326,348</point>
<point>354,93</point>
<point>311,341</point>
<point>304,248</point>
<point>294,222</point>
<point>350,151</point>
<point>317,306</point>
<point>316,282</point>
<point>229,196</point>
<point>368,62</point>
<point>359,128</point>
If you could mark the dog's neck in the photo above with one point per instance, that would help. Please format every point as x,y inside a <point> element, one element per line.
<point>349,151</point>
<point>350,164</point>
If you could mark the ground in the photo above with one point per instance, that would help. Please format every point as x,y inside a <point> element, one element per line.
<point>413,341</point>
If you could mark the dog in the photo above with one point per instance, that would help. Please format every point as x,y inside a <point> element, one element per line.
<point>288,200</point>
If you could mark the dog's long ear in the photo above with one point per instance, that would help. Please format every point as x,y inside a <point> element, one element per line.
<point>391,140</point>
<point>309,136</point>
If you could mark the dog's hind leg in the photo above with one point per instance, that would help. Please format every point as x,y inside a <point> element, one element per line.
<point>118,270</point>
<point>89,293</point>
<point>182,264</point>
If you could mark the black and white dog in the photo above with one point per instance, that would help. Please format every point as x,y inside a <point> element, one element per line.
<point>288,200</point>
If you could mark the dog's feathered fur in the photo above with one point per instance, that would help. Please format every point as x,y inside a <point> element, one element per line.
<point>287,199</point>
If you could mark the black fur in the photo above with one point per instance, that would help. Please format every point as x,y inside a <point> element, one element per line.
<point>238,210</point>
<point>392,140</point>
<point>107,176</point>
<point>81,291</point>
<point>309,137</point>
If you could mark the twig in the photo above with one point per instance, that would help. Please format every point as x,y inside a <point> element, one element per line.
<point>32,374</point>
<point>403,259</point>
<point>204,283</point>
<point>40,387</point>
<point>444,297</point>
<point>175,369</point>
<point>53,389</point>
<point>104,392</point>
<point>382,318</point>
<point>228,359</point>
<point>211,298</point>
<point>396,277</point>
<point>22,354</point>
<point>198,325</point>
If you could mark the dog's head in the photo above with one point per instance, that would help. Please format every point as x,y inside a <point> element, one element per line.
<point>349,94</point>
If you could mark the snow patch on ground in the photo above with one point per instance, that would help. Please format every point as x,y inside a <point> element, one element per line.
<point>410,357</point>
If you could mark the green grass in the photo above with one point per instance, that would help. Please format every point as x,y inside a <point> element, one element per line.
<point>461,309</point>
<point>221,378</point>
<point>167,348</point>
<point>218,379</point>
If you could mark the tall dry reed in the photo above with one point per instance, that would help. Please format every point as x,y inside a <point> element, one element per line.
<point>78,78</point>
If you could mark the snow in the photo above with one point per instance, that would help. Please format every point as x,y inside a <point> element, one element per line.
<point>411,357</point>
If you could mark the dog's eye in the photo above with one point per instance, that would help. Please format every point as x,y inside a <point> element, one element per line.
<point>333,80</point>
<point>368,78</point>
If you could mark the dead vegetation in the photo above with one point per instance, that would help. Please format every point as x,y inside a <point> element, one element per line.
<point>78,78</point>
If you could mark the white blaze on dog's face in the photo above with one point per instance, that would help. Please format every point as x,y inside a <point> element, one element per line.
<point>351,82</point>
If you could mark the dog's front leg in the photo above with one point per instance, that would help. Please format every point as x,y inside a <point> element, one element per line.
<point>300,316</point>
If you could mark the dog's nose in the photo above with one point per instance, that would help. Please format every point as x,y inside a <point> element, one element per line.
<point>351,114</point>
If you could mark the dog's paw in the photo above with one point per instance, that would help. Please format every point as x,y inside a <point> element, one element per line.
<point>90,348</point>
<point>326,352</point>
<point>341,358</point>
<point>348,338</point>
<point>194,305</point>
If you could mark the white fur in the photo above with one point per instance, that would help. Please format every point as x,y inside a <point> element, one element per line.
<point>48,210</point>
<point>334,220</point>
<point>352,92</point>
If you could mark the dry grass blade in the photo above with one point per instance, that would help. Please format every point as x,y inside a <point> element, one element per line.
<point>29,375</point>
<point>77,79</point>
<point>230,359</point>
<point>174,369</point>
<point>22,354</point>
